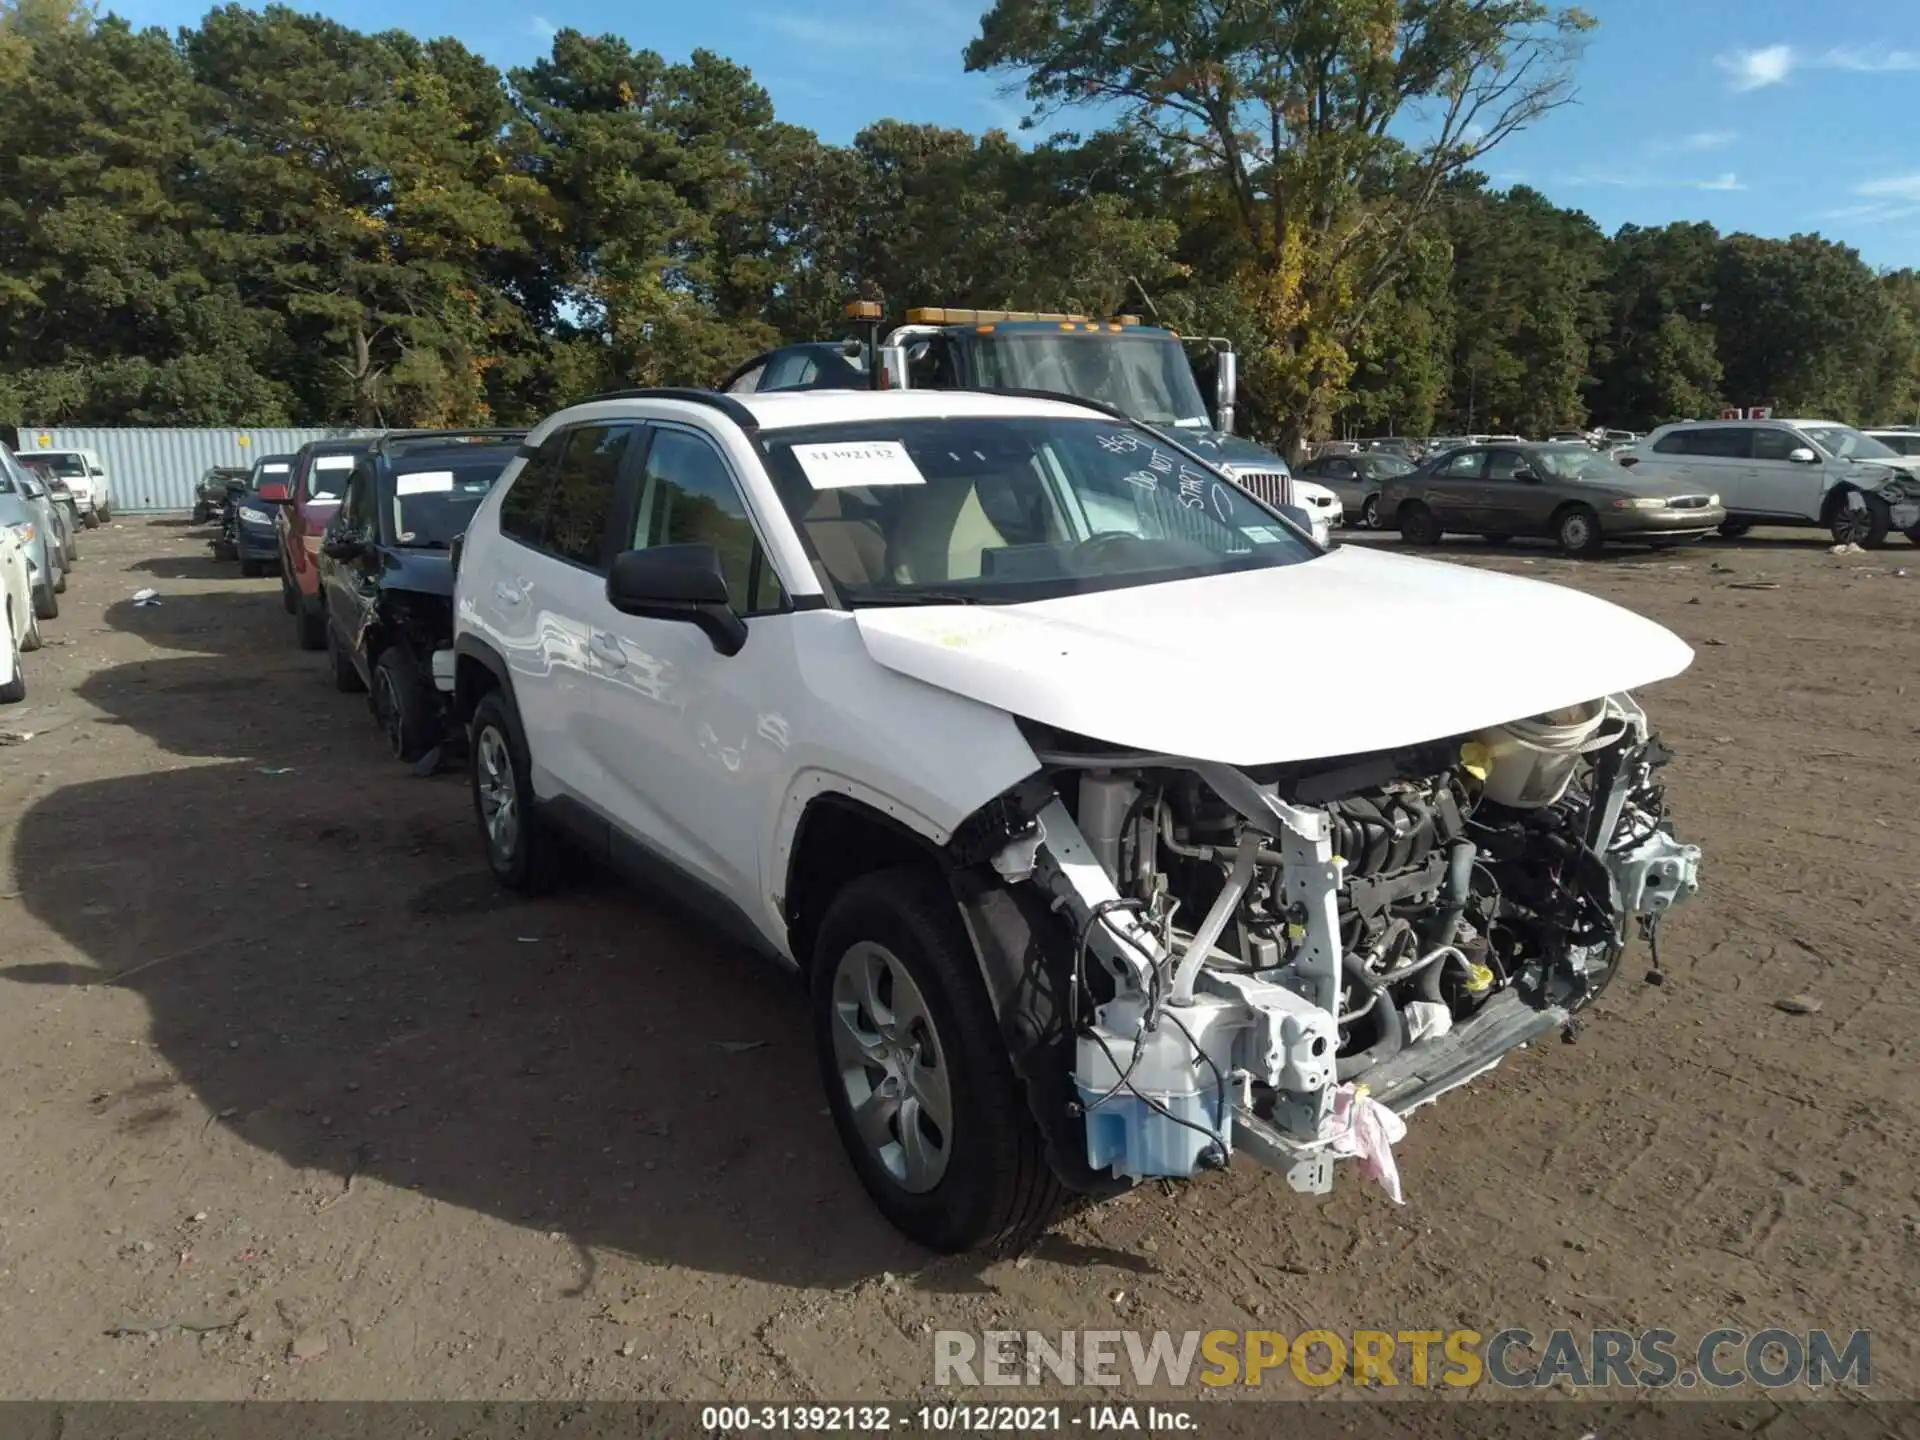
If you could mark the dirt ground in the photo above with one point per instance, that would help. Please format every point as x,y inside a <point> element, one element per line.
<point>300,1105</point>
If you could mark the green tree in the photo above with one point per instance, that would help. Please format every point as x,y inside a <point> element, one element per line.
<point>1296,108</point>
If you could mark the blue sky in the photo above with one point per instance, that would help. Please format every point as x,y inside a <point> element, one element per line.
<point>1770,116</point>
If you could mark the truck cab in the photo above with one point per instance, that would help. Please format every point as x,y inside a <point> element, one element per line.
<point>1141,370</point>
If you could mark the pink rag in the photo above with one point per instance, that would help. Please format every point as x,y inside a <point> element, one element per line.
<point>1363,1128</point>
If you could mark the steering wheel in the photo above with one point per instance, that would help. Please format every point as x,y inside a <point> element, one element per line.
<point>1090,552</point>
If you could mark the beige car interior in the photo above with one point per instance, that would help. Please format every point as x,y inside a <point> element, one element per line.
<point>939,535</point>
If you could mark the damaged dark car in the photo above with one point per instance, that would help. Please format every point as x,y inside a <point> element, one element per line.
<point>386,576</point>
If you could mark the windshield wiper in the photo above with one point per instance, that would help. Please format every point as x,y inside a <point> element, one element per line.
<point>914,597</point>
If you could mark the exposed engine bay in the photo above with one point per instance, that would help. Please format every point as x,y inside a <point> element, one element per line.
<point>1256,949</point>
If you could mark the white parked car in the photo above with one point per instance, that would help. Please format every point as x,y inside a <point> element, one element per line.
<point>84,475</point>
<point>1016,731</point>
<point>19,626</point>
<point>1902,441</point>
<point>1791,472</point>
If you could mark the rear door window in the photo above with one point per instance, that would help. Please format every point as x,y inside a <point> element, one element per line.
<point>327,479</point>
<point>580,510</point>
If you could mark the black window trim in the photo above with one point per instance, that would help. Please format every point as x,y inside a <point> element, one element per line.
<point>622,500</point>
<point>628,512</point>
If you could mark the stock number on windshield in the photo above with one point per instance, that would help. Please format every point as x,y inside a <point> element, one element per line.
<point>869,1419</point>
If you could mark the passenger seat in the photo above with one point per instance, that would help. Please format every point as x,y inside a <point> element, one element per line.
<point>851,551</point>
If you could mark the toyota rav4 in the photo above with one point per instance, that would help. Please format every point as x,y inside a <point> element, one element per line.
<point>1017,729</point>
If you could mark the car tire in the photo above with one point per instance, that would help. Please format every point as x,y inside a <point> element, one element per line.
<point>1866,525</point>
<point>1577,529</point>
<point>309,624</point>
<point>1914,534</point>
<point>346,679</point>
<point>289,597</point>
<point>225,550</point>
<point>15,690</point>
<point>401,705</point>
<point>1497,539</point>
<point>523,854</point>
<point>93,520</point>
<point>253,569</point>
<point>975,1174</point>
<point>46,604</point>
<point>31,641</point>
<point>60,585</point>
<point>106,515</point>
<point>1419,525</point>
<point>1734,529</point>
<point>1370,513</point>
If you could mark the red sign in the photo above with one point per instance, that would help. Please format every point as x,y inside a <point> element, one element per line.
<point>1731,413</point>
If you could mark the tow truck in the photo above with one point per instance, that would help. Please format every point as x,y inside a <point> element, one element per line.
<point>1143,371</point>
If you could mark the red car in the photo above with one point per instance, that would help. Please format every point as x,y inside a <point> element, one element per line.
<point>314,489</point>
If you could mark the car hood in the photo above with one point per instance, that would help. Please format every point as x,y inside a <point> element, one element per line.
<point>1351,652</point>
<point>1903,471</point>
<point>1217,447</point>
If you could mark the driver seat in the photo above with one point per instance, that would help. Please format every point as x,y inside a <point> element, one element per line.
<point>941,533</point>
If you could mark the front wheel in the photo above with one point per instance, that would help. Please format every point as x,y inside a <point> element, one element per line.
<point>917,1073</point>
<point>1861,519</point>
<point>1419,525</point>
<point>106,515</point>
<point>1734,529</point>
<point>1579,532</point>
<point>46,604</point>
<point>401,705</point>
<point>1370,513</point>
<point>15,690</point>
<point>31,641</point>
<point>289,597</point>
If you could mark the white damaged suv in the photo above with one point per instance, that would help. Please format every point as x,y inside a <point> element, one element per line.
<point>1025,736</point>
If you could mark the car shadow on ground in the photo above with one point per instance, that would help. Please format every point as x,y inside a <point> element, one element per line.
<point>188,567</point>
<point>330,967</point>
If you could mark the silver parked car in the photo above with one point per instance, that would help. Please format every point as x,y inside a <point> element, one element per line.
<point>27,509</point>
<point>1791,472</point>
<point>1356,481</point>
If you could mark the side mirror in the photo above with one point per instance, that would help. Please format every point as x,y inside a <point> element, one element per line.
<point>95,471</point>
<point>677,582</point>
<point>1226,388</point>
<point>337,546</point>
<point>274,492</point>
<point>1802,455</point>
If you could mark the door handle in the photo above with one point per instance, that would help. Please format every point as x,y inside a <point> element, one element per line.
<point>608,648</point>
<point>508,593</point>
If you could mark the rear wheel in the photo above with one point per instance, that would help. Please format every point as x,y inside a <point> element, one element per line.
<point>401,705</point>
<point>346,679</point>
<point>1860,519</point>
<point>1578,531</point>
<point>521,852</point>
<point>309,624</point>
<point>1419,525</point>
<point>31,640</point>
<point>46,604</point>
<point>917,1072</point>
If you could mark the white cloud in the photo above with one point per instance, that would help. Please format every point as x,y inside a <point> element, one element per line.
<point>1870,62</point>
<point>1646,180</point>
<point>1756,69</point>
<point>1772,64</point>
<point>1696,143</point>
<point>543,27</point>
<point>1893,187</point>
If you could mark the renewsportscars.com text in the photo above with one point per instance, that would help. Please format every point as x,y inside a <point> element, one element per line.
<point>1512,1358</point>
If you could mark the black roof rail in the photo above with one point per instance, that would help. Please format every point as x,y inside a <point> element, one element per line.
<point>506,436</point>
<point>724,403</point>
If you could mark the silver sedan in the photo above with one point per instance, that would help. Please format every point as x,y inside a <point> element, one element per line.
<point>1356,479</point>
